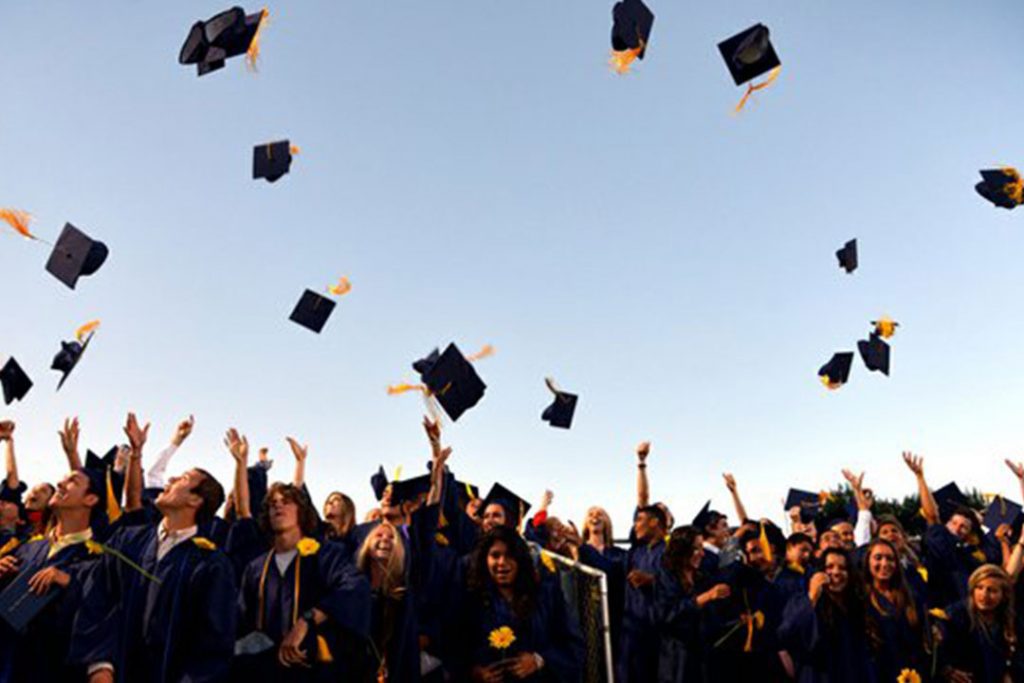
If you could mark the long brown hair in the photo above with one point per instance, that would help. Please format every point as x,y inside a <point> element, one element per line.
<point>292,494</point>
<point>902,601</point>
<point>1005,611</point>
<point>682,544</point>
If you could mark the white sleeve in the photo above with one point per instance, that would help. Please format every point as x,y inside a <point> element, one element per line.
<point>155,474</point>
<point>862,530</point>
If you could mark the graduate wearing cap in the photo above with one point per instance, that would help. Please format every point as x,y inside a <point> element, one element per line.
<point>638,654</point>
<point>47,575</point>
<point>33,514</point>
<point>181,626</point>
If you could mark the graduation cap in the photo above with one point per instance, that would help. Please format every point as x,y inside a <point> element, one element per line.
<point>67,358</point>
<point>848,256</point>
<point>875,353</point>
<point>379,482</point>
<point>228,34</point>
<point>409,489</point>
<point>836,372</point>
<point>14,381</point>
<point>75,255</point>
<point>272,160</point>
<point>749,54</point>
<point>949,498</point>
<point>1003,187</point>
<point>1002,511</point>
<point>452,380</point>
<point>515,507</point>
<point>632,21</point>
<point>312,311</point>
<point>562,408</point>
<point>703,517</point>
<point>808,502</point>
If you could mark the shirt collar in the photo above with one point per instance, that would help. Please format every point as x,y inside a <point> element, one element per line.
<point>165,535</point>
<point>711,548</point>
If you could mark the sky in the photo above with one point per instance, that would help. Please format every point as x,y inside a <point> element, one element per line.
<point>481,176</point>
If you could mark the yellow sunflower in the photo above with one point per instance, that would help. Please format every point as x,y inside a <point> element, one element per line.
<point>93,547</point>
<point>307,547</point>
<point>502,638</point>
<point>909,676</point>
<point>204,543</point>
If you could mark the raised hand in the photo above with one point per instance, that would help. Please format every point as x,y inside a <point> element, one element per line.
<point>299,451</point>
<point>1016,468</point>
<point>237,445</point>
<point>914,462</point>
<point>183,431</point>
<point>643,449</point>
<point>855,481</point>
<point>69,436</point>
<point>136,435</point>
<point>433,430</point>
<point>730,482</point>
<point>6,430</point>
<point>546,499</point>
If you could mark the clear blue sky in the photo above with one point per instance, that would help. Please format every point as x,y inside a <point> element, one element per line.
<point>482,177</point>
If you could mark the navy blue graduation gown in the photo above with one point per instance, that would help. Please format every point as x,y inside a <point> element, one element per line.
<point>824,651</point>
<point>682,648</point>
<point>791,582</point>
<point>950,563</point>
<point>547,631</point>
<point>612,561</point>
<point>41,653</point>
<point>638,654</point>
<point>984,655</point>
<point>900,645</point>
<point>328,581</point>
<point>182,629</point>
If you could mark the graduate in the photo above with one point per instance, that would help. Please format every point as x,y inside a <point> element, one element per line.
<point>638,647</point>
<point>33,516</point>
<point>599,551</point>
<point>978,639</point>
<point>894,616</point>
<point>56,565</point>
<point>175,619</point>
<point>823,630</point>
<point>339,517</point>
<point>305,599</point>
<point>514,627</point>
<point>794,577</point>
<point>680,595</point>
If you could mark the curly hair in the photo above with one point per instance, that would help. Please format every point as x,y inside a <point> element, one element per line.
<point>679,552</point>
<point>292,494</point>
<point>526,584</point>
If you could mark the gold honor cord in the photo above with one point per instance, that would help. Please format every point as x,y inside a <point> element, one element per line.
<point>752,88</point>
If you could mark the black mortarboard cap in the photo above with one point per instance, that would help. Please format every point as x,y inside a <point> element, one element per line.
<point>75,255</point>
<point>409,489</point>
<point>808,502</point>
<point>994,187</point>
<point>67,358</point>
<point>14,380</point>
<point>837,370</point>
<point>272,160</point>
<point>874,351</point>
<point>452,380</point>
<point>848,256</point>
<point>703,517</point>
<point>379,482</point>
<point>562,408</point>
<point>949,498</point>
<point>749,54</point>
<point>228,34</point>
<point>515,506</point>
<point>312,311</point>
<point>632,21</point>
<point>1002,511</point>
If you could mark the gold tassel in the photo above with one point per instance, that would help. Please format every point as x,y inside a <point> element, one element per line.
<point>752,88</point>
<point>766,547</point>
<point>484,352</point>
<point>253,53</point>
<point>113,506</point>
<point>323,651</point>
<point>18,220</point>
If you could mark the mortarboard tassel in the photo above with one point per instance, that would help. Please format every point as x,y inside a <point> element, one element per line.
<point>754,87</point>
<point>323,651</point>
<point>766,547</point>
<point>469,492</point>
<point>113,506</point>
<point>253,53</point>
<point>18,220</point>
<point>342,288</point>
<point>621,60</point>
<point>396,389</point>
<point>484,352</point>
<point>398,474</point>
<point>85,329</point>
<point>885,327</point>
<point>1014,188</point>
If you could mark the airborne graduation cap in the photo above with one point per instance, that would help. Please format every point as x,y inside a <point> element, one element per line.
<point>1002,511</point>
<point>836,372</point>
<point>14,381</point>
<point>848,256</point>
<point>313,309</point>
<point>272,160</point>
<point>875,353</point>
<point>71,352</point>
<point>808,502</point>
<point>452,380</point>
<point>228,34</point>
<point>562,408</point>
<point>750,54</point>
<point>75,255</point>
<point>1002,186</point>
<point>632,21</point>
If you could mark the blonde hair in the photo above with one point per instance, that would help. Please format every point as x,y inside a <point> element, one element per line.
<point>394,568</point>
<point>1004,613</point>
<point>606,533</point>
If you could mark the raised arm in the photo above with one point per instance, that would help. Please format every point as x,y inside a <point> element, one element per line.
<point>7,437</point>
<point>643,494</point>
<point>238,446</point>
<point>862,529</point>
<point>136,441</point>
<point>300,452</point>
<point>1015,561</point>
<point>741,511</point>
<point>69,442</point>
<point>1018,471</point>
<point>930,510</point>
<point>438,459</point>
<point>155,472</point>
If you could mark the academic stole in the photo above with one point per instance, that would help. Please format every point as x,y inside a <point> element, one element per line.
<point>323,651</point>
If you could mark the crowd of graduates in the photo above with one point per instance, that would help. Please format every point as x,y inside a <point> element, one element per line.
<point>118,573</point>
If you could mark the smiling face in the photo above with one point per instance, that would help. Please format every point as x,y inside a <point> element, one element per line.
<point>38,497</point>
<point>698,552</point>
<point>798,554</point>
<point>718,533</point>
<point>882,563</point>
<point>891,533</point>
<point>8,514</point>
<point>838,573</point>
<point>494,515</point>
<point>844,530</point>
<point>177,494</point>
<point>960,526</point>
<point>73,492</point>
<point>382,543</point>
<point>987,595</point>
<point>501,566</point>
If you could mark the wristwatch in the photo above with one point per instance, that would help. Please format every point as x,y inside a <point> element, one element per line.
<point>308,616</point>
